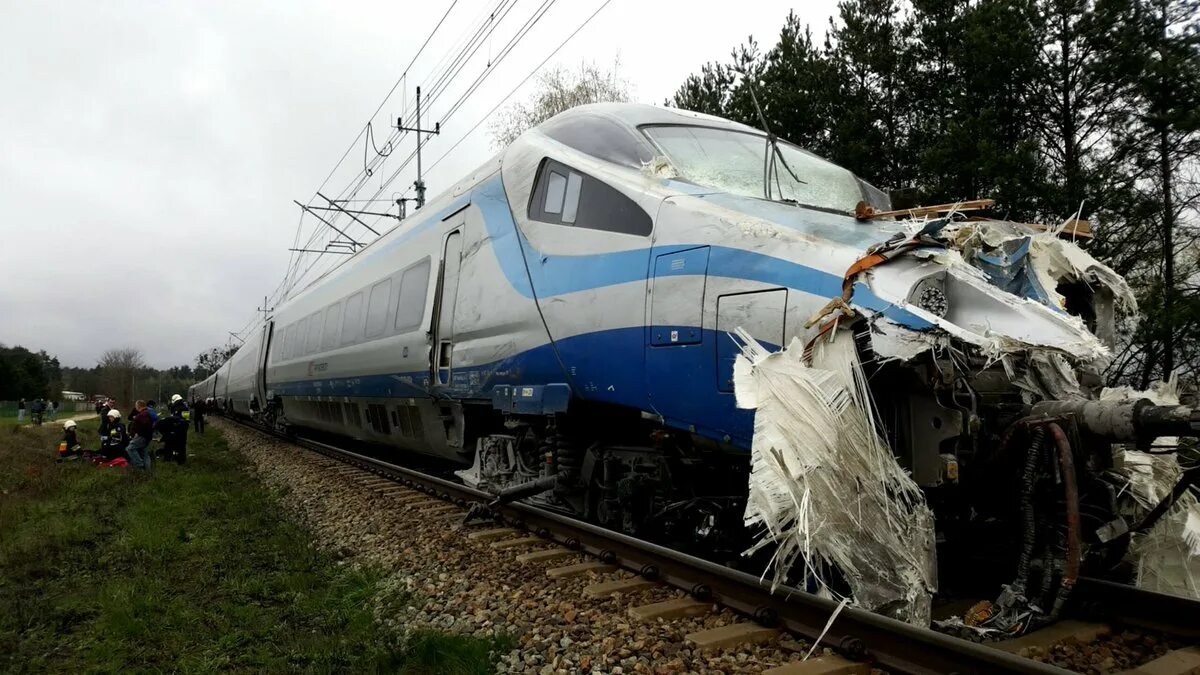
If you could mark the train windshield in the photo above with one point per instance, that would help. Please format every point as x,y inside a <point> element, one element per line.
<point>733,161</point>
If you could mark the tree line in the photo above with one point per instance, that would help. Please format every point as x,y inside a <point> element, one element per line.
<point>28,374</point>
<point>123,374</point>
<point>120,373</point>
<point>1050,107</point>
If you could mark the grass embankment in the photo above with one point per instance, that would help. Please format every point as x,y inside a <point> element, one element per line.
<point>9,417</point>
<point>189,569</point>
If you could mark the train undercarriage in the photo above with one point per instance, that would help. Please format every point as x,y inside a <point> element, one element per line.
<point>1025,497</point>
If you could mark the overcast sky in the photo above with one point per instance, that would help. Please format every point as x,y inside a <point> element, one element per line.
<point>150,151</point>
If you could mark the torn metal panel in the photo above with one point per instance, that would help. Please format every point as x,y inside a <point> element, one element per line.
<point>1039,261</point>
<point>1167,558</point>
<point>998,285</point>
<point>978,312</point>
<point>825,485</point>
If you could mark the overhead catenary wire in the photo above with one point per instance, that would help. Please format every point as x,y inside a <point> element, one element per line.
<point>507,49</point>
<point>294,259</point>
<point>515,89</point>
<point>437,76</point>
<point>389,94</point>
<point>441,82</point>
<point>521,33</point>
<point>524,30</point>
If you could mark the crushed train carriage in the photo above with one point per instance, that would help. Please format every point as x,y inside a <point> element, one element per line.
<point>563,320</point>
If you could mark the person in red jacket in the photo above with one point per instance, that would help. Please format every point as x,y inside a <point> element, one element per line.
<point>141,430</point>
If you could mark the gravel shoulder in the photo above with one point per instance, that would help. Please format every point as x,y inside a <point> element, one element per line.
<point>468,588</point>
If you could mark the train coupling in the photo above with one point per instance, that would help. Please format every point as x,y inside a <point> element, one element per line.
<point>485,512</point>
<point>1139,421</point>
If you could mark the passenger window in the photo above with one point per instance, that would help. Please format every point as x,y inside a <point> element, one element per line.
<point>291,340</point>
<point>571,202</point>
<point>285,342</point>
<point>410,307</point>
<point>314,333</point>
<point>564,196</point>
<point>352,320</point>
<point>333,321</point>
<point>554,192</point>
<point>377,308</point>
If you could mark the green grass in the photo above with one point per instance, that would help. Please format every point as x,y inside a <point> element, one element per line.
<point>191,569</point>
<point>10,416</point>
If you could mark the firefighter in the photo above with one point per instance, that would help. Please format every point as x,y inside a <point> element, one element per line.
<point>115,437</point>
<point>174,430</point>
<point>68,447</point>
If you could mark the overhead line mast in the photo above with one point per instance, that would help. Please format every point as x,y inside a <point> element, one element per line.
<point>419,184</point>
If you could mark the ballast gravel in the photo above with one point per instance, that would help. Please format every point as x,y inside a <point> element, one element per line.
<point>439,579</point>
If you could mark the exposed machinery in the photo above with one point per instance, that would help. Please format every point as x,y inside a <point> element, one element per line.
<point>560,322</point>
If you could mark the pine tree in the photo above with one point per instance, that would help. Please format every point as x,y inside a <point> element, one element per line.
<point>871,113</point>
<point>707,92</point>
<point>1157,50</point>
<point>796,88</point>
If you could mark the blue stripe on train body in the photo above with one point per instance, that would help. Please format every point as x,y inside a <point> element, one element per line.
<point>608,365</point>
<point>625,319</point>
<point>711,413</point>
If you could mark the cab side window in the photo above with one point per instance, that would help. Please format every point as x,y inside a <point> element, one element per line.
<point>564,196</point>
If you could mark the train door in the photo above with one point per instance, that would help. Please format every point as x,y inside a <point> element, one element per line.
<point>260,382</point>
<point>441,362</point>
<point>678,353</point>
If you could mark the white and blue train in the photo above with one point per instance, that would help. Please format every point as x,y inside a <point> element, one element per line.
<point>568,305</point>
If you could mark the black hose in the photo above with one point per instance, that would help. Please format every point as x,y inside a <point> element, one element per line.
<point>1028,518</point>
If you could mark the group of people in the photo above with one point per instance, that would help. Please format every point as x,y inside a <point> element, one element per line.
<point>127,440</point>
<point>39,409</point>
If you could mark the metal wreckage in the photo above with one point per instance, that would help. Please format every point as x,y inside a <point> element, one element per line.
<point>985,413</point>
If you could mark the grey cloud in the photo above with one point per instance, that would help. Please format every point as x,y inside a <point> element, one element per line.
<point>149,152</point>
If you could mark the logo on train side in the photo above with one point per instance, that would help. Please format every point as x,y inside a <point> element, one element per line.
<point>314,367</point>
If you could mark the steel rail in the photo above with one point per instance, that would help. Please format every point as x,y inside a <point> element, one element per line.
<point>858,634</point>
<point>1128,604</point>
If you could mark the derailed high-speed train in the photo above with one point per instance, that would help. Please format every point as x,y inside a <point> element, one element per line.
<point>561,321</point>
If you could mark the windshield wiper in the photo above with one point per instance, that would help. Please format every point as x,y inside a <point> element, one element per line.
<point>772,153</point>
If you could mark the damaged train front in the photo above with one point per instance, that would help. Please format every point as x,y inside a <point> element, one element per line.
<point>988,387</point>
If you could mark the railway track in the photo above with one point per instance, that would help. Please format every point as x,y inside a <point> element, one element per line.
<point>860,637</point>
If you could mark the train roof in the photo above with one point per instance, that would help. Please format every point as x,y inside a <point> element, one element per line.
<point>635,115</point>
<point>608,131</point>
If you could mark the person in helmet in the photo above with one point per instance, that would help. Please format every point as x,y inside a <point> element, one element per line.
<point>178,405</point>
<point>68,447</point>
<point>173,430</point>
<point>104,420</point>
<point>116,438</point>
